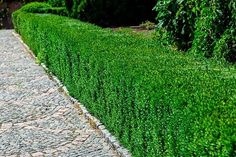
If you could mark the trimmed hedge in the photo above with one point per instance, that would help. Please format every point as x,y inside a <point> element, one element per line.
<point>156,101</point>
<point>56,3</point>
<point>42,7</point>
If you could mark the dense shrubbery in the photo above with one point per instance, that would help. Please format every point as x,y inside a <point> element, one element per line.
<point>178,18</point>
<point>207,27</point>
<point>41,7</point>
<point>56,3</point>
<point>114,12</point>
<point>156,101</point>
<point>36,7</point>
<point>72,7</point>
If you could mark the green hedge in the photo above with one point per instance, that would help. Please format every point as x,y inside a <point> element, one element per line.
<point>42,7</point>
<point>156,101</point>
<point>56,3</point>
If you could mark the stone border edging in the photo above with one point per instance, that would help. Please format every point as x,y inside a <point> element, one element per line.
<point>94,122</point>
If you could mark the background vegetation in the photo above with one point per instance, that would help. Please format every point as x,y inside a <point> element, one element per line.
<point>205,28</point>
<point>157,101</point>
<point>112,13</point>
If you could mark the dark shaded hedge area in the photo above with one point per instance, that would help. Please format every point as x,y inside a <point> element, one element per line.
<point>112,12</point>
<point>118,12</point>
<point>156,101</point>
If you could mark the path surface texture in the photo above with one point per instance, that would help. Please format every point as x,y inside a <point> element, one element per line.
<point>35,118</point>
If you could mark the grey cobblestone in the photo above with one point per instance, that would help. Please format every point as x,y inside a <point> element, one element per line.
<point>35,118</point>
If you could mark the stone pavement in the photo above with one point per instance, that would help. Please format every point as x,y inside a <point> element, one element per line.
<point>35,118</point>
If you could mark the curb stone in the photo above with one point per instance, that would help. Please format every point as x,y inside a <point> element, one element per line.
<point>94,122</point>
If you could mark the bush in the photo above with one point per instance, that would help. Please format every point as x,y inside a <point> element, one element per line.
<point>200,27</point>
<point>72,7</point>
<point>56,3</point>
<point>226,46</point>
<point>178,18</point>
<point>156,101</point>
<point>40,7</point>
<point>36,7</point>
<point>211,26</point>
<point>58,11</point>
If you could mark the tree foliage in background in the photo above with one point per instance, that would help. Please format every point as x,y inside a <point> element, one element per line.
<point>206,28</point>
<point>178,18</point>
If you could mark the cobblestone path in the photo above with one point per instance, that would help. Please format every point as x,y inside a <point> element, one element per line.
<point>35,118</point>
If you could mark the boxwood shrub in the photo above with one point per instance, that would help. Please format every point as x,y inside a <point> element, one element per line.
<point>156,101</point>
<point>42,7</point>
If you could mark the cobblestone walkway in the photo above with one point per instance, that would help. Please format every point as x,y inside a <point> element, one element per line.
<point>35,118</point>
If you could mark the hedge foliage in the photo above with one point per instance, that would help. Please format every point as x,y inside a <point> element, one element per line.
<point>204,27</point>
<point>56,3</point>
<point>156,101</point>
<point>42,7</point>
